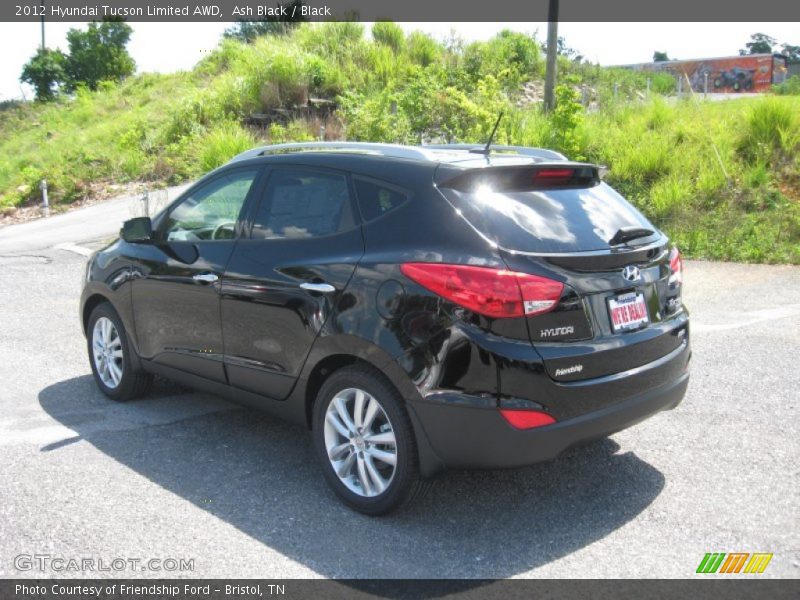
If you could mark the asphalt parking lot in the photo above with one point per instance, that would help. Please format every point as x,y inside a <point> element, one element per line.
<point>188,476</point>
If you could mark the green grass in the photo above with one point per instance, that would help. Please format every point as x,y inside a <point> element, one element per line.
<point>722,178</point>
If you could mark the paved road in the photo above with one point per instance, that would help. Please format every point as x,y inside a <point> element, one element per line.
<point>94,222</point>
<point>187,475</point>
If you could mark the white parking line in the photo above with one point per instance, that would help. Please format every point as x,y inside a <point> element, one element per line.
<point>74,248</point>
<point>750,318</point>
<point>109,418</point>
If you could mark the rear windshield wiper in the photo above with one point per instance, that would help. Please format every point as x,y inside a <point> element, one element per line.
<point>626,234</point>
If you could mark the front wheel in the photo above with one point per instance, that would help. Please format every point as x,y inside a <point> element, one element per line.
<point>110,356</point>
<point>364,440</point>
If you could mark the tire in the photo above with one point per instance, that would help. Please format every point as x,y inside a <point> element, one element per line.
<point>402,484</point>
<point>124,380</point>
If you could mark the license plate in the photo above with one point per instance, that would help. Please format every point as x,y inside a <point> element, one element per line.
<point>627,311</point>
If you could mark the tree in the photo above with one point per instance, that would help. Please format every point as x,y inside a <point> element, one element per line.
<point>248,31</point>
<point>99,54</point>
<point>659,56</point>
<point>563,50</point>
<point>760,43</point>
<point>792,53</point>
<point>45,71</point>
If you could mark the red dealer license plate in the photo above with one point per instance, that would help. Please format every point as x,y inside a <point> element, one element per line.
<point>628,311</point>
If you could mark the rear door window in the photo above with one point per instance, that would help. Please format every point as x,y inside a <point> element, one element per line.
<point>303,203</point>
<point>549,220</point>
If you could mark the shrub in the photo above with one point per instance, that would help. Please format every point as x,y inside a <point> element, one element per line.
<point>663,83</point>
<point>658,114</point>
<point>771,131</point>
<point>389,34</point>
<point>566,119</point>
<point>668,196</point>
<point>422,49</point>
<point>511,57</point>
<point>789,87</point>
<point>221,143</point>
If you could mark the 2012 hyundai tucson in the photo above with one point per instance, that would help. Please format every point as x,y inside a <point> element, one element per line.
<point>416,307</point>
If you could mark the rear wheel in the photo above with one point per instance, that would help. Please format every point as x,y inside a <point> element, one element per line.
<point>364,441</point>
<point>111,357</point>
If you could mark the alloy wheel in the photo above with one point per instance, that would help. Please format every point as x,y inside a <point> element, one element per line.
<point>107,352</point>
<point>360,442</point>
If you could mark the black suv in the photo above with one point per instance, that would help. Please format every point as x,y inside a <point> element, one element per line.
<point>415,307</point>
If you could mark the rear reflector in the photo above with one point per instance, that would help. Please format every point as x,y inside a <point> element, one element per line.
<point>675,266</point>
<point>496,293</point>
<point>526,419</point>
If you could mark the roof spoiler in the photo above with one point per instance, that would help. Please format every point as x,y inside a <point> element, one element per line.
<point>521,178</point>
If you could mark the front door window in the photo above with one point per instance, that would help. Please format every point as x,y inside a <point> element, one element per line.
<point>210,213</point>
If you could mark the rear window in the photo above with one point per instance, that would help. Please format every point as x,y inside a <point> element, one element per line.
<point>550,220</point>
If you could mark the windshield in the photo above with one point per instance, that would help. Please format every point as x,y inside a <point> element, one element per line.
<point>550,221</point>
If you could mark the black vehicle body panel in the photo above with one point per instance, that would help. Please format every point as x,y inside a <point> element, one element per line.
<point>257,338</point>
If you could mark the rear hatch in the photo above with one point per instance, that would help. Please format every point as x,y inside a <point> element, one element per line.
<point>620,307</point>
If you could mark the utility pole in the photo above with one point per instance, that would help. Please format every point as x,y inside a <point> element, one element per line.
<point>552,51</point>
<point>42,5</point>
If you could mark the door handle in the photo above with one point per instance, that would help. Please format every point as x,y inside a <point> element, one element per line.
<point>322,288</point>
<point>206,277</point>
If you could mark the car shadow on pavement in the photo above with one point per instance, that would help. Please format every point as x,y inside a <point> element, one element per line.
<point>259,475</point>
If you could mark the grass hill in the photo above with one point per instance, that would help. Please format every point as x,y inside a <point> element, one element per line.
<point>722,178</point>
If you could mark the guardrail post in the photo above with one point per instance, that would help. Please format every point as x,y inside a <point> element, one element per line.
<point>146,202</point>
<point>45,201</point>
<point>705,84</point>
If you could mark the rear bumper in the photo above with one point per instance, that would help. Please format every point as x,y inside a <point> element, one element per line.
<point>470,432</point>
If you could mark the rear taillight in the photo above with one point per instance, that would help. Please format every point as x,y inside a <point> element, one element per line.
<point>526,419</point>
<point>495,293</point>
<point>675,266</point>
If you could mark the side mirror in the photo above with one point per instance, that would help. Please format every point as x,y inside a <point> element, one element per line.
<point>137,230</point>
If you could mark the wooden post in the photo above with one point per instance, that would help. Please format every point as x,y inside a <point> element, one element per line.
<point>45,201</point>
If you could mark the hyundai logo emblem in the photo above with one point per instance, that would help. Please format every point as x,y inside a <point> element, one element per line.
<point>631,273</point>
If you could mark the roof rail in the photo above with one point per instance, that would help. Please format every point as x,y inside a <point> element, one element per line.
<point>391,150</point>
<point>542,153</point>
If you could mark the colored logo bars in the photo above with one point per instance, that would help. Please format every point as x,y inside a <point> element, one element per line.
<point>734,562</point>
